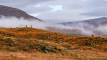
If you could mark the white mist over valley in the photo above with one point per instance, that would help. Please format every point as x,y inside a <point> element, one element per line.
<point>79,28</point>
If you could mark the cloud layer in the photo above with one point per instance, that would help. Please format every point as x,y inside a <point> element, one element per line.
<point>61,10</point>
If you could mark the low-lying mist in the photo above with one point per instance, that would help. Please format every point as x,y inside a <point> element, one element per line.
<point>80,28</point>
<point>12,22</point>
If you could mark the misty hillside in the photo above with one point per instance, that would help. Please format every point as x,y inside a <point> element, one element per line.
<point>94,22</point>
<point>14,12</point>
<point>97,26</point>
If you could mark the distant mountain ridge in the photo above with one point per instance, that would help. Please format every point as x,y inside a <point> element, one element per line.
<point>15,12</point>
<point>97,26</point>
<point>93,22</point>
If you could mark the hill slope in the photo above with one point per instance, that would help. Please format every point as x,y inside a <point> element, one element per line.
<point>23,43</point>
<point>97,26</point>
<point>94,22</point>
<point>14,12</point>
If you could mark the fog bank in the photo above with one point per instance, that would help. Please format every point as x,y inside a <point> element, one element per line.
<point>12,22</point>
<point>78,28</point>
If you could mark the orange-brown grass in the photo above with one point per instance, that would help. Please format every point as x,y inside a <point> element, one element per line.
<point>49,44</point>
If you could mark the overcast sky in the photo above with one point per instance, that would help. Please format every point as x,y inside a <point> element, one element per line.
<point>61,10</point>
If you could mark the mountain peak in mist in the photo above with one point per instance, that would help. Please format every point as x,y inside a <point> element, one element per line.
<point>94,22</point>
<point>96,26</point>
<point>15,12</point>
<point>98,19</point>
